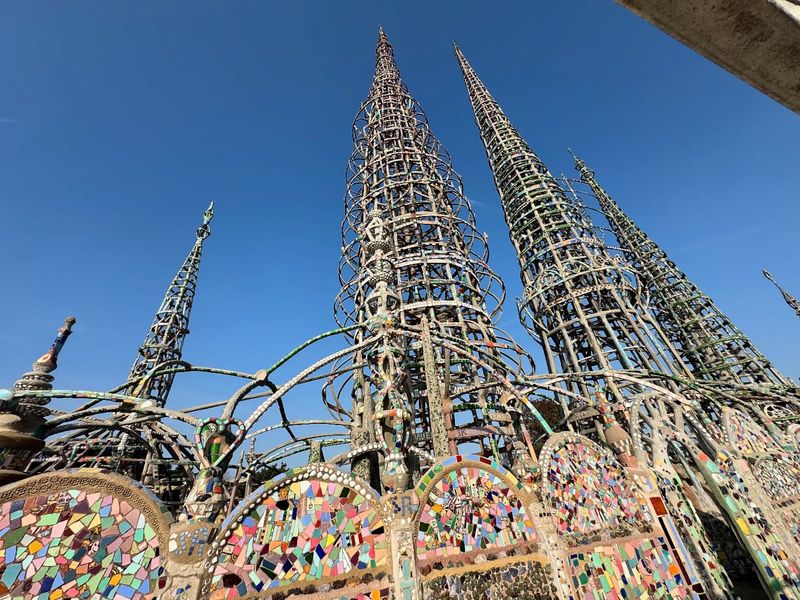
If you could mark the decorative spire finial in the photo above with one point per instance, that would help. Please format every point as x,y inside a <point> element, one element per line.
<point>39,378</point>
<point>793,302</point>
<point>205,230</point>
<point>49,360</point>
<point>580,166</point>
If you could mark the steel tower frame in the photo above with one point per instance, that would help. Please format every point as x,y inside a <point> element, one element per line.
<point>580,302</point>
<point>709,341</point>
<point>411,252</point>
<point>170,326</point>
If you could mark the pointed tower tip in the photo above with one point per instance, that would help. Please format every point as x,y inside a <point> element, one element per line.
<point>204,230</point>
<point>579,163</point>
<point>767,274</point>
<point>209,213</point>
<point>581,167</point>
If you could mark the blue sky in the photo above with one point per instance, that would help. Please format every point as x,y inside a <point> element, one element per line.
<point>118,121</point>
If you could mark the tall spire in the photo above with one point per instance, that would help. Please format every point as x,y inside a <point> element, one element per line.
<point>580,302</point>
<point>413,257</point>
<point>714,347</point>
<point>164,340</point>
<point>793,302</point>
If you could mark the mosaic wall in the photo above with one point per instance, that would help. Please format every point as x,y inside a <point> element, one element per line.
<point>682,516</point>
<point>470,507</point>
<point>779,478</point>
<point>746,435</point>
<point>315,524</point>
<point>777,567</point>
<point>381,594</point>
<point>522,580</point>
<point>76,544</point>
<point>642,568</point>
<point>737,562</point>
<point>587,490</point>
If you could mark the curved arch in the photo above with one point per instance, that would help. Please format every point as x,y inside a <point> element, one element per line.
<point>469,504</point>
<point>586,488</point>
<point>88,530</point>
<point>313,523</point>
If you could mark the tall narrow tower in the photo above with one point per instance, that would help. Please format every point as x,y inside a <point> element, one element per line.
<point>152,458</point>
<point>164,340</point>
<point>411,250</point>
<point>580,302</point>
<point>714,347</point>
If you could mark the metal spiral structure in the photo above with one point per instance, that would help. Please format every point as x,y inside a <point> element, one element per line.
<point>580,302</point>
<point>714,347</point>
<point>409,242</point>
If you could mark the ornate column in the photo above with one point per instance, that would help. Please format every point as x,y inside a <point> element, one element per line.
<point>22,417</point>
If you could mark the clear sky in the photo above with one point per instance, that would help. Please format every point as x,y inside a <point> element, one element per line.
<point>118,121</point>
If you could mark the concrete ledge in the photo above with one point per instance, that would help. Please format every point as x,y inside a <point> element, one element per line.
<point>756,40</point>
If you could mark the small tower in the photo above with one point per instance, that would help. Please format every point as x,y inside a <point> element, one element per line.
<point>21,416</point>
<point>709,342</point>
<point>164,340</point>
<point>163,344</point>
<point>793,302</point>
<point>115,450</point>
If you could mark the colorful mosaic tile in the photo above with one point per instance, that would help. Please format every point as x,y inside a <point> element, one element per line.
<point>470,508</point>
<point>683,524</point>
<point>305,530</point>
<point>434,471</point>
<point>587,489</point>
<point>76,545</point>
<point>183,592</point>
<point>642,568</point>
<point>747,436</point>
<point>379,594</point>
<point>187,541</point>
<point>778,568</point>
<point>779,478</point>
